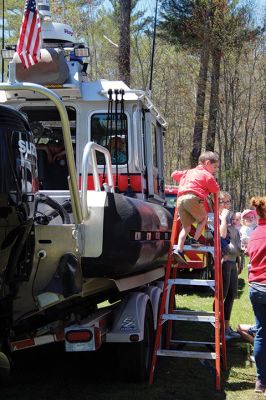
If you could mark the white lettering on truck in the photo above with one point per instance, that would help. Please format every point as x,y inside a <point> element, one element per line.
<point>27,148</point>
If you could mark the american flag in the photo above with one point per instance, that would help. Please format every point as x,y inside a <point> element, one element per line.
<point>29,42</point>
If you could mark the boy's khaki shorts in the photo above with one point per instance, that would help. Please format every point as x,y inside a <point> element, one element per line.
<point>190,209</point>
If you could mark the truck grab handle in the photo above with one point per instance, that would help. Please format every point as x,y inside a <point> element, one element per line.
<point>90,154</point>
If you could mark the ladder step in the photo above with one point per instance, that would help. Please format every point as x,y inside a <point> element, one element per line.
<point>192,282</point>
<point>187,354</point>
<point>188,317</point>
<point>200,249</point>
<point>193,312</point>
<point>190,343</point>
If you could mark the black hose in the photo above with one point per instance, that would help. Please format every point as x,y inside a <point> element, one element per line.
<point>124,130</point>
<point>116,130</point>
<point>109,129</point>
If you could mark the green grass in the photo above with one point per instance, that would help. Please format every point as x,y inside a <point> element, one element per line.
<point>238,380</point>
<point>52,374</point>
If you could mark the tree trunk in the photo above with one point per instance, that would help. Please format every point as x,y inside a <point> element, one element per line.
<point>200,103</point>
<point>214,99</point>
<point>124,41</point>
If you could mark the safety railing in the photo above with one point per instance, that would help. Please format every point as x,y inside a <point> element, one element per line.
<point>89,157</point>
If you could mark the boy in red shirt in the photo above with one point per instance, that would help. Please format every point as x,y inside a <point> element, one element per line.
<point>194,186</point>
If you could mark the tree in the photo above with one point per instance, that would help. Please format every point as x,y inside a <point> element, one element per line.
<point>124,41</point>
<point>207,27</point>
<point>186,24</point>
<point>124,13</point>
<point>230,29</point>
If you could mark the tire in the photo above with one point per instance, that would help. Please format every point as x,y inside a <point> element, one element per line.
<point>137,357</point>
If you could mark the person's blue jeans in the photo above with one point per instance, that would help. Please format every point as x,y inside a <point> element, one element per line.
<point>258,301</point>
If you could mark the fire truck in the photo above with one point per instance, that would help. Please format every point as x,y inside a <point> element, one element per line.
<point>84,224</point>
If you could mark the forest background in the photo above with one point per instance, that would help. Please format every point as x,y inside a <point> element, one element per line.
<point>209,75</point>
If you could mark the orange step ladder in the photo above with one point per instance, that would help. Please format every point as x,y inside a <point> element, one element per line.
<point>216,318</point>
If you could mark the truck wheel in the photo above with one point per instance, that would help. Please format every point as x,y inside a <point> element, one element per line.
<point>137,365</point>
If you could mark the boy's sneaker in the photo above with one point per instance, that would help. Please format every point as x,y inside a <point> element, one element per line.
<point>259,387</point>
<point>192,242</point>
<point>179,257</point>
<point>230,334</point>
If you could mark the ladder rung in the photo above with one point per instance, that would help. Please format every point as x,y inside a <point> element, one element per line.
<point>193,312</point>
<point>192,282</point>
<point>190,343</point>
<point>185,317</point>
<point>200,249</point>
<point>187,354</point>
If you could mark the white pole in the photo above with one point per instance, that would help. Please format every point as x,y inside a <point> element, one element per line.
<point>44,9</point>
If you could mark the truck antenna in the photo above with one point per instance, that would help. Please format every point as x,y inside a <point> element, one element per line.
<point>153,48</point>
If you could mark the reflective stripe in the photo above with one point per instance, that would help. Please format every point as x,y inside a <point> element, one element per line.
<point>135,182</point>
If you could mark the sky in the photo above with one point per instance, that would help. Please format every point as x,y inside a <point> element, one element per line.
<point>149,5</point>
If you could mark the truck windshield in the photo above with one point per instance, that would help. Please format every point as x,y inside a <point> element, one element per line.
<point>45,123</point>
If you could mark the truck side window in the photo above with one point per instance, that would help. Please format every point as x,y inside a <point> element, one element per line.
<point>110,134</point>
